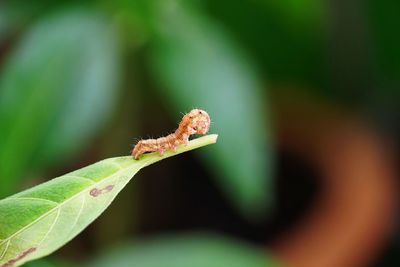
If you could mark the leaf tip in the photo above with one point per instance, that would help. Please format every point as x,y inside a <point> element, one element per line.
<point>214,137</point>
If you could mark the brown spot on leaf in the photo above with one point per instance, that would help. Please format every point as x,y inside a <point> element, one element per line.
<point>20,257</point>
<point>108,188</point>
<point>95,192</point>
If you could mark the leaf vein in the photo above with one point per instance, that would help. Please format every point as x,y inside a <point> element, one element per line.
<point>36,198</point>
<point>51,227</point>
<point>5,250</point>
<point>78,215</point>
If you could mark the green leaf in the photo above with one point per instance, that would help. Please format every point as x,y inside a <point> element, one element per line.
<point>384,19</point>
<point>199,65</point>
<point>14,15</point>
<point>298,15</point>
<point>48,262</point>
<point>58,84</point>
<point>36,222</point>
<point>194,250</point>
<point>286,40</point>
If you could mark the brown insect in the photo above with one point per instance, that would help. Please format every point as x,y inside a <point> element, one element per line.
<point>196,121</point>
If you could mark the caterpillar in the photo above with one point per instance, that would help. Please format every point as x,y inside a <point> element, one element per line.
<point>196,121</point>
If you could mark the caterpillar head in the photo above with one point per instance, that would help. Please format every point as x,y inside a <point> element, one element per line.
<point>200,121</point>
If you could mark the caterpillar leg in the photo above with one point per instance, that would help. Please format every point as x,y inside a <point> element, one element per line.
<point>144,146</point>
<point>186,141</point>
<point>137,150</point>
<point>161,152</point>
<point>162,145</point>
<point>173,147</point>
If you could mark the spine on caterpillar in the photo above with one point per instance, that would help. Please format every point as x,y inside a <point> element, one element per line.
<point>196,121</point>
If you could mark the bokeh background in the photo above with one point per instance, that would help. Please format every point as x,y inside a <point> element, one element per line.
<point>303,94</point>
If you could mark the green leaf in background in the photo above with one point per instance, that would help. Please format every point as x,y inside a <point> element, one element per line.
<point>286,38</point>
<point>56,89</point>
<point>300,16</point>
<point>198,65</point>
<point>194,250</point>
<point>48,262</point>
<point>38,221</point>
<point>384,18</point>
<point>384,99</point>
<point>15,14</point>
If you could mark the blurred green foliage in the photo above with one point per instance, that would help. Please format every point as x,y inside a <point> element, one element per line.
<point>386,45</point>
<point>190,249</point>
<point>56,90</point>
<point>286,38</point>
<point>48,263</point>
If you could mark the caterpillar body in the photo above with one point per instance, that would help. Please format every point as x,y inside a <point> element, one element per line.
<point>196,121</point>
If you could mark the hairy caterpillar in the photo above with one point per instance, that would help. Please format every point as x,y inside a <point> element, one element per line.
<point>196,121</point>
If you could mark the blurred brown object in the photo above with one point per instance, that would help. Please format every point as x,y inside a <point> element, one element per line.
<point>354,211</point>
